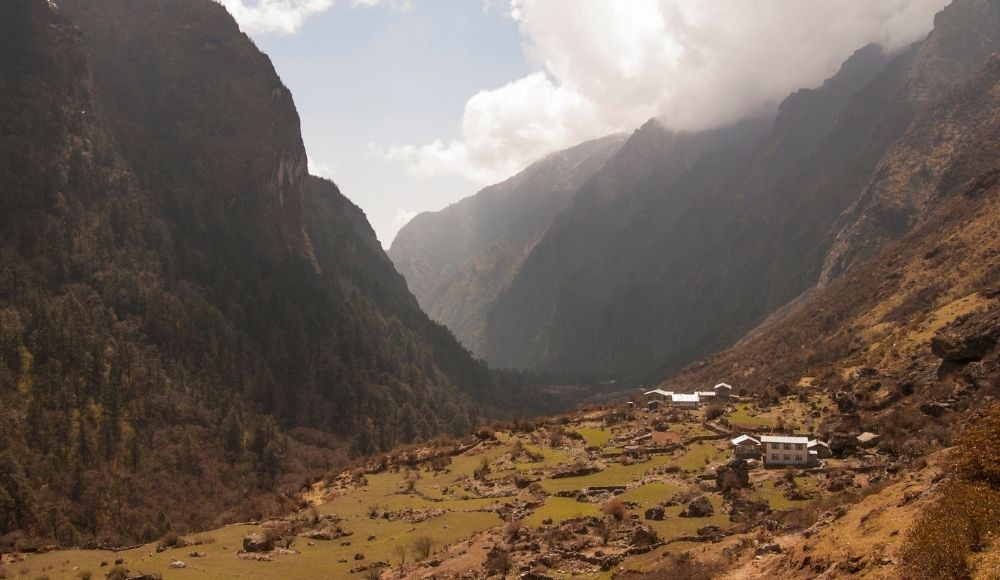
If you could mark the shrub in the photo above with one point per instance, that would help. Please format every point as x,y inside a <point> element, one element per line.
<point>614,508</point>
<point>117,573</point>
<point>170,540</point>
<point>714,410</point>
<point>514,529</point>
<point>498,561</point>
<point>422,547</point>
<point>400,552</point>
<point>373,510</point>
<point>483,470</point>
<point>555,436</point>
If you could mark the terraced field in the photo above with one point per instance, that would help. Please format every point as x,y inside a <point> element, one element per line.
<point>460,499</point>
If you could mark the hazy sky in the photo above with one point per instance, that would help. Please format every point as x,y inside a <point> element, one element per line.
<point>410,105</point>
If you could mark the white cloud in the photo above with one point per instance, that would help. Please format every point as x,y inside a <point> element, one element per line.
<point>287,16</point>
<point>402,218</point>
<point>320,169</point>
<point>607,65</point>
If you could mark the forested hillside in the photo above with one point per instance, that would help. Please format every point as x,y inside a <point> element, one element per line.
<point>178,342</point>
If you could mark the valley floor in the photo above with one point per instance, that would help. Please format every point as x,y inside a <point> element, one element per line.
<point>600,494</point>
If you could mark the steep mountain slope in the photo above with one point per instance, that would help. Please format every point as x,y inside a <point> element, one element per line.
<point>456,261</point>
<point>177,339</point>
<point>654,247</point>
<point>919,321</point>
<point>659,272</point>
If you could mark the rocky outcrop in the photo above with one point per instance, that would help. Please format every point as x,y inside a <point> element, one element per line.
<point>732,475</point>
<point>970,337</point>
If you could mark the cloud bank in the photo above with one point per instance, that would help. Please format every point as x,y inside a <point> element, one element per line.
<point>287,16</point>
<point>607,65</point>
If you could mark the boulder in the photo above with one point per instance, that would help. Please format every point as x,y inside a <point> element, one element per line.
<point>710,531</point>
<point>655,513</point>
<point>743,509</point>
<point>178,564</point>
<point>934,408</point>
<point>735,472</point>
<point>699,508</point>
<point>258,542</point>
<point>846,403</point>
<point>643,537</point>
<point>841,443</point>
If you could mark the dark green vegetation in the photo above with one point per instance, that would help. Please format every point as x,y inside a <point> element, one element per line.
<point>176,338</point>
<point>682,243</point>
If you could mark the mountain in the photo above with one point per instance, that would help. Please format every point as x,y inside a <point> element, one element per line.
<point>458,260</point>
<point>919,320</point>
<point>191,324</point>
<point>682,243</point>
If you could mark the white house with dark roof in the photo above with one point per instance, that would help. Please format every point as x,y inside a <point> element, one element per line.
<point>723,390</point>
<point>745,447</point>
<point>781,450</point>
<point>820,449</point>
<point>657,394</point>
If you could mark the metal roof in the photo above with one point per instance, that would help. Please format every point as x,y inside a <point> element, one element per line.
<point>783,439</point>
<point>726,385</point>
<point>684,398</point>
<point>658,392</point>
<point>743,438</point>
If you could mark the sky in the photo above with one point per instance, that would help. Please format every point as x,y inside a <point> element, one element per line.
<point>410,105</point>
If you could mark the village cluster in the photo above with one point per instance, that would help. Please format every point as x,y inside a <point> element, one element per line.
<point>773,450</point>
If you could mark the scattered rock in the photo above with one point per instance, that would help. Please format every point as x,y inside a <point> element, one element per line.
<point>576,471</point>
<point>710,531</point>
<point>699,508</point>
<point>655,513</point>
<point>359,556</point>
<point>768,549</point>
<point>256,556</point>
<point>197,555</point>
<point>178,564</point>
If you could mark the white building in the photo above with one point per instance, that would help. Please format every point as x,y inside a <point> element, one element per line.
<point>723,390</point>
<point>782,450</point>
<point>745,447</point>
<point>689,401</point>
